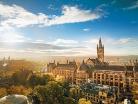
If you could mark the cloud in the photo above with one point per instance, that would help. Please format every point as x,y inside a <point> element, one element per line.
<point>86,29</point>
<point>11,35</point>
<point>64,47</point>
<point>31,46</point>
<point>16,16</point>
<point>133,6</point>
<point>19,17</point>
<point>126,45</point>
<point>123,41</point>
<point>39,41</point>
<point>92,41</point>
<point>72,14</point>
<point>13,17</point>
<point>64,42</point>
<point>111,41</point>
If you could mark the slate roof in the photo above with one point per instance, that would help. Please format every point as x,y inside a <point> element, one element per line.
<point>94,89</point>
<point>85,66</point>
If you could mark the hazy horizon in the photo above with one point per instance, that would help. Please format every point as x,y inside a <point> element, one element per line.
<point>70,28</point>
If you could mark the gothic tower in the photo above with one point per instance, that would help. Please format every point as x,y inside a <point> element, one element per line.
<point>100,51</point>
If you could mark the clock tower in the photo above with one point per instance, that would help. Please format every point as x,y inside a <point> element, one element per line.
<point>100,51</point>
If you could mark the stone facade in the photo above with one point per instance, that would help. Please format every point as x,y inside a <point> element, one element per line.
<point>97,71</point>
<point>66,70</point>
<point>99,94</point>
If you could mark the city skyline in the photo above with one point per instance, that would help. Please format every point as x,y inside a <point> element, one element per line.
<point>68,28</point>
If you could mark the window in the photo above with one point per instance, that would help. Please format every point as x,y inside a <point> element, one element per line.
<point>102,76</point>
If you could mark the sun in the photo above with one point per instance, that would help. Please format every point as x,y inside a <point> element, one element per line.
<point>11,37</point>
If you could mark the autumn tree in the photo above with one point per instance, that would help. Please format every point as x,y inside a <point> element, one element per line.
<point>34,80</point>
<point>53,93</point>
<point>75,93</point>
<point>84,101</point>
<point>20,77</point>
<point>3,92</point>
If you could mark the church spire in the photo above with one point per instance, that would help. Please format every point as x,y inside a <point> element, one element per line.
<point>100,43</point>
<point>100,51</point>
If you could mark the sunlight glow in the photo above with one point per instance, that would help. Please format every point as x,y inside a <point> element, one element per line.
<point>11,36</point>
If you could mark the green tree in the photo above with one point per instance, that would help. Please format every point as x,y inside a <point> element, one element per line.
<point>54,93</point>
<point>34,80</point>
<point>75,93</point>
<point>20,77</point>
<point>51,93</point>
<point>45,79</point>
<point>66,88</point>
<point>40,92</point>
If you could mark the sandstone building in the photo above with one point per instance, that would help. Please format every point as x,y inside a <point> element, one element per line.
<point>97,71</point>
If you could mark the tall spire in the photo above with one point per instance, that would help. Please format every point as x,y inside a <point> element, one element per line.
<point>100,51</point>
<point>100,43</point>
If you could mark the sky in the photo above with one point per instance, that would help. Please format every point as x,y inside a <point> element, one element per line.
<point>68,27</point>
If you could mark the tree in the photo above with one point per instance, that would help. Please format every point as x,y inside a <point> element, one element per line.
<point>19,90</point>
<point>66,88</point>
<point>34,80</point>
<point>35,100</point>
<point>45,79</point>
<point>20,77</point>
<point>3,92</point>
<point>84,101</point>
<point>75,93</point>
<point>39,92</point>
<point>55,94</point>
<point>51,93</point>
